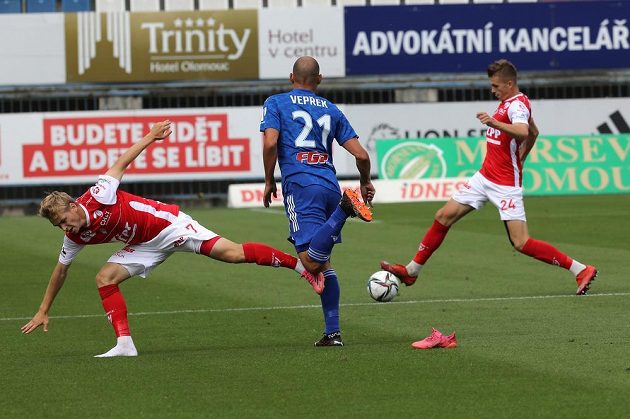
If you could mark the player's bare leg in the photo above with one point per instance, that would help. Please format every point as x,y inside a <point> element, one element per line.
<point>543,251</point>
<point>261,254</point>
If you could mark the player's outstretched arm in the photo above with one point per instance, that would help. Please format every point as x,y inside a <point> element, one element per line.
<point>57,279</point>
<point>354,147</point>
<point>158,132</point>
<point>270,157</point>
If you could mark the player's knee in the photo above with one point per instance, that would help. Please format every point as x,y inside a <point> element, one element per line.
<point>234,255</point>
<point>103,279</point>
<point>227,251</point>
<point>518,244</point>
<point>443,217</point>
<point>313,266</point>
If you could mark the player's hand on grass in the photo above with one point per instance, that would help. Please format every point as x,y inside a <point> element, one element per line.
<point>38,320</point>
<point>161,130</point>
<point>367,192</point>
<point>270,190</point>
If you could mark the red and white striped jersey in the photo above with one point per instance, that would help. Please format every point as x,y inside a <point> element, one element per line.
<point>502,164</point>
<point>114,215</point>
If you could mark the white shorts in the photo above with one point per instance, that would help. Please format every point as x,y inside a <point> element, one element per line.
<point>184,235</point>
<point>479,190</point>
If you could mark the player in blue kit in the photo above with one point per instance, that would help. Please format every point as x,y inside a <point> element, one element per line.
<point>299,128</point>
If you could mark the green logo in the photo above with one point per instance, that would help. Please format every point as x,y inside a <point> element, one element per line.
<point>413,160</point>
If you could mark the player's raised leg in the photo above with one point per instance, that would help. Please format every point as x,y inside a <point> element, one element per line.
<point>352,204</point>
<point>107,281</point>
<point>325,237</point>
<point>261,254</point>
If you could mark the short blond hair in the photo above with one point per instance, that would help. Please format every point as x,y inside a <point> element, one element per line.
<point>54,203</point>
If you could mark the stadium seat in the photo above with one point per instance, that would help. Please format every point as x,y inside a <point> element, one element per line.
<point>419,2</point>
<point>76,6</point>
<point>385,2</point>
<point>41,6</point>
<point>453,1</point>
<point>110,5</point>
<point>316,3</point>
<point>10,6</point>
<point>213,5</point>
<point>145,6</point>
<point>274,4</point>
<point>179,5</point>
<point>487,1</point>
<point>522,1</point>
<point>247,4</point>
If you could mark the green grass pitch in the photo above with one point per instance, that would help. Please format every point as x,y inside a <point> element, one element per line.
<point>220,340</point>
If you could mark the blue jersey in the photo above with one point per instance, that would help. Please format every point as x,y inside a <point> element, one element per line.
<point>307,124</point>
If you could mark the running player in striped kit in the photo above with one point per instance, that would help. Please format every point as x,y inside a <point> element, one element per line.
<point>510,136</point>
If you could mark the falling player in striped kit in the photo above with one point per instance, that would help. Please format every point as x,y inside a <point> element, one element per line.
<point>510,136</point>
<point>151,231</point>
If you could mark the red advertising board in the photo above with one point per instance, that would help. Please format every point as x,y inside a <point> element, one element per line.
<point>200,143</point>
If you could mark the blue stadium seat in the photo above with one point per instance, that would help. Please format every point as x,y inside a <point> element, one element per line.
<point>10,6</point>
<point>41,6</point>
<point>76,5</point>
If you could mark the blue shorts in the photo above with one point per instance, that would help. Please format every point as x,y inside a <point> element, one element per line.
<point>308,208</point>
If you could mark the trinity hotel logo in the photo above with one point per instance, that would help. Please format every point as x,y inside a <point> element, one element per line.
<point>201,37</point>
<point>145,44</point>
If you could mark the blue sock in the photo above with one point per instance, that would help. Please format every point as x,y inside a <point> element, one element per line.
<point>324,238</point>
<point>330,302</point>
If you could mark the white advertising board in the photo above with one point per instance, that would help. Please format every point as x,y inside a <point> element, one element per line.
<point>32,49</point>
<point>224,143</point>
<point>458,119</point>
<point>76,147</point>
<point>249,195</point>
<point>284,35</point>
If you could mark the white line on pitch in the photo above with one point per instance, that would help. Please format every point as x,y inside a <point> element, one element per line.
<point>437,301</point>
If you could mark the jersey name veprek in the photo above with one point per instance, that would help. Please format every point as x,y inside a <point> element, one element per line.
<point>307,124</point>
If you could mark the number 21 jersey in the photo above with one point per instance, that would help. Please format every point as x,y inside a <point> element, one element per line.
<point>307,124</point>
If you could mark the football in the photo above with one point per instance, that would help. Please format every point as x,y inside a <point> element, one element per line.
<point>383,286</point>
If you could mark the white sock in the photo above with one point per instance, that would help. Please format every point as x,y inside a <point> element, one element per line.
<point>414,268</point>
<point>576,267</point>
<point>124,347</point>
<point>299,267</point>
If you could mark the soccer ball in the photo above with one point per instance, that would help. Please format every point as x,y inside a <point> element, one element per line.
<point>383,286</point>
